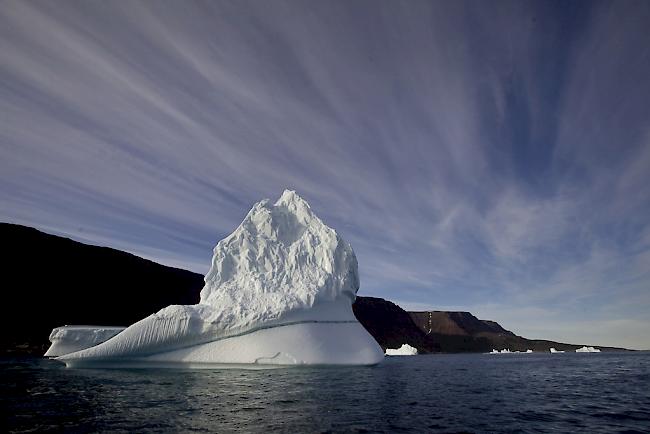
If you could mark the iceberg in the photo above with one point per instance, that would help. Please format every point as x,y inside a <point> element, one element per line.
<point>503,351</point>
<point>279,292</point>
<point>587,350</point>
<point>554,351</point>
<point>404,350</point>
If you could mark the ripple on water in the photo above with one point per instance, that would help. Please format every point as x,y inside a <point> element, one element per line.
<point>448,393</point>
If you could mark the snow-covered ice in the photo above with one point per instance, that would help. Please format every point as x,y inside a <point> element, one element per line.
<point>68,339</point>
<point>279,291</point>
<point>553,351</point>
<point>587,350</point>
<point>404,350</point>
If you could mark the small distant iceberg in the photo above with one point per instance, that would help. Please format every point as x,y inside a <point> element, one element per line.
<point>503,351</point>
<point>529,351</point>
<point>404,350</point>
<point>554,351</point>
<point>587,350</point>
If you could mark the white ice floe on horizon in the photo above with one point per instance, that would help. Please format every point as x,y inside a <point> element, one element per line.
<point>587,350</point>
<point>554,351</point>
<point>404,350</point>
<point>280,291</point>
<point>504,351</point>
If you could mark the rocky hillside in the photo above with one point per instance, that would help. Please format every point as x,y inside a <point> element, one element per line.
<point>455,332</point>
<point>390,325</point>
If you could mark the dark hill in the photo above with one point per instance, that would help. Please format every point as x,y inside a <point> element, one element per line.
<point>455,323</point>
<point>463,332</point>
<point>50,281</point>
<point>440,331</point>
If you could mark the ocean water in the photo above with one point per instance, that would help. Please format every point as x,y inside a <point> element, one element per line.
<point>606,392</point>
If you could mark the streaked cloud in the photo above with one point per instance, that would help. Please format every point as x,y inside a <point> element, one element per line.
<point>475,155</point>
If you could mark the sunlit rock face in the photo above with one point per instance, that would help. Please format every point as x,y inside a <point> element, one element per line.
<point>279,291</point>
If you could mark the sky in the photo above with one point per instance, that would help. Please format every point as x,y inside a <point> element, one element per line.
<point>492,157</point>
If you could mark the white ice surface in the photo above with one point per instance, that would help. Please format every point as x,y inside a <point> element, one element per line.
<point>68,339</point>
<point>282,265</point>
<point>553,350</point>
<point>404,350</point>
<point>587,350</point>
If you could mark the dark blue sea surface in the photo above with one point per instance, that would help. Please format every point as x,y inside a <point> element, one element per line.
<point>606,392</point>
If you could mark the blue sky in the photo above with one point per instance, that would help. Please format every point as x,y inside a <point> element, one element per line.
<point>483,156</point>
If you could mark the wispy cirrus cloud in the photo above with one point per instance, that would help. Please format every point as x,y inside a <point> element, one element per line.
<point>474,155</point>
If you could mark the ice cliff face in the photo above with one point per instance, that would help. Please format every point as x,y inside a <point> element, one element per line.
<point>281,258</point>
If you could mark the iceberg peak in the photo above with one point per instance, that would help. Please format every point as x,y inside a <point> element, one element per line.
<point>282,257</point>
<point>290,198</point>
